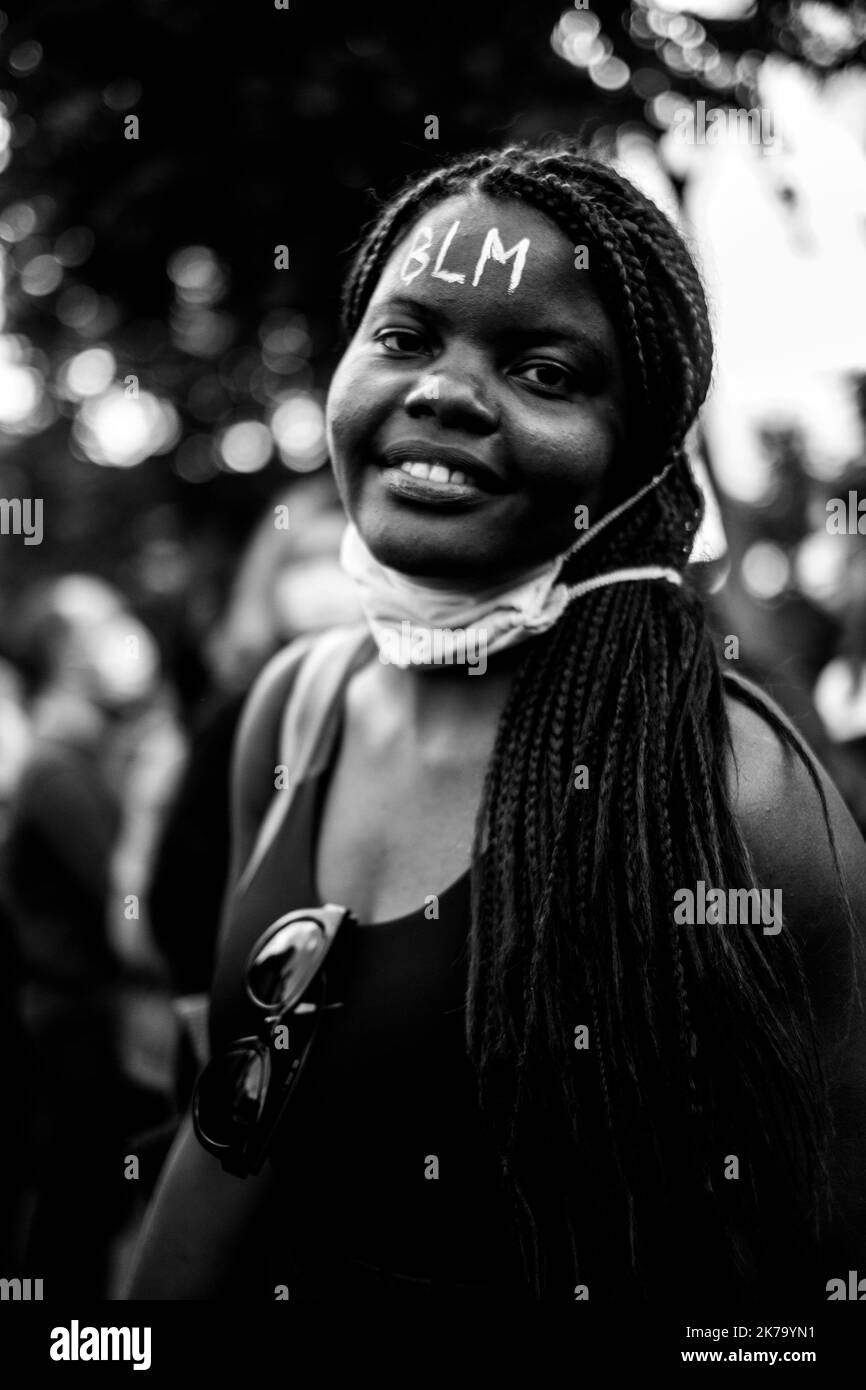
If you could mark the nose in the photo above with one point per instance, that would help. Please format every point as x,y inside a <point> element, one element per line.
<point>456,398</point>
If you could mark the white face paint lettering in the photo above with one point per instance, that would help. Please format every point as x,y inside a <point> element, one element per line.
<point>417,252</point>
<point>417,259</point>
<point>453,276</point>
<point>493,249</point>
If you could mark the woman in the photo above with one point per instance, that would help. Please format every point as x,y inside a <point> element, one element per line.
<point>636,1100</point>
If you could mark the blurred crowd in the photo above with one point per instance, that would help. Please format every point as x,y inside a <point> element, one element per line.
<point>114,832</point>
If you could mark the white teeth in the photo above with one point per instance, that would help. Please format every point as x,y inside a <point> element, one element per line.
<point>437,472</point>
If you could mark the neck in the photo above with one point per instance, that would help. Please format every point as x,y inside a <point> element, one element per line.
<point>434,701</point>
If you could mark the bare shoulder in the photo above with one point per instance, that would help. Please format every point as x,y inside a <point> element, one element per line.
<point>782,819</point>
<point>774,791</point>
<point>786,830</point>
<point>777,801</point>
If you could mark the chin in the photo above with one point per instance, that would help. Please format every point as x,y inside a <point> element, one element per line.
<point>448,561</point>
<point>475,549</point>
<point>424,560</point>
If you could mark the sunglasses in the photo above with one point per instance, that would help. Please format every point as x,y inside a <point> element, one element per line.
<point>241,1095</point>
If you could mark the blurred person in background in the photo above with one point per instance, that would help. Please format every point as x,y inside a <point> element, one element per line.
<point>95,668</point>
<point>289,582</point>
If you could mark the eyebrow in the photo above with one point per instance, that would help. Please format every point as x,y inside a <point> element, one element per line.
<point>536,333</point>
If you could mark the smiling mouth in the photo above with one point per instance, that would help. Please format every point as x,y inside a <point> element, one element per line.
<point>435,472</point>
<point>411,481</point>
<point>444,469</point>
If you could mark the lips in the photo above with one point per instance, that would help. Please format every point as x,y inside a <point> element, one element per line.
<point>477,471</point>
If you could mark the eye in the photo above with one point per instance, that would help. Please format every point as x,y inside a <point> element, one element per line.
<point>412,340</point>
<point>551,377</point>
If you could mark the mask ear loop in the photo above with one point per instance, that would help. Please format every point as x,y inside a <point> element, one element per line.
<point>618,511</point>
<point>624,575</point>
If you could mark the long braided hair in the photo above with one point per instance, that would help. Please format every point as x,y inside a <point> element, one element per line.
<point>605,794</point>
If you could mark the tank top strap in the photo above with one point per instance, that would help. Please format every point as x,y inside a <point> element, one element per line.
<point>309,713</point>
<point>268,888</point>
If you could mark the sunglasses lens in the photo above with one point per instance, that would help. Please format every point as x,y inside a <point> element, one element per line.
<point>230,1094</point>
<point>281,970</point>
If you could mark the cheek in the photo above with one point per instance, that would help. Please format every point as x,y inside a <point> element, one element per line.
<point>350,410</point>
<point>574,460</point>
<point>335,406</point>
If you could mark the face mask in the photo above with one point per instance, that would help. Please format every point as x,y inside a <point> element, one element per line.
<point>425,622</point>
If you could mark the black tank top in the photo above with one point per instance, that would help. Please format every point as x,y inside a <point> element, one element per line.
<point>387,1099</point>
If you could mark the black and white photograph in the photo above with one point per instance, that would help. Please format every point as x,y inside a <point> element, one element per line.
<point>432,681</point>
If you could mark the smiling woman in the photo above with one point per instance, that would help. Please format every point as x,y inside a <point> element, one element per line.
<point>528,399</point>
<point>531,1078</point>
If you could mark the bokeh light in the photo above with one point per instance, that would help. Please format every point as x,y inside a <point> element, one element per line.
<point>17,221</point>
<point>286,342</point>
<point>41,275</point>
<point>122,93</point>
<point>710,9</point>
<point>577,38</point>
<point>840,699</point>
<point>765,570</point>
<point>25,58</point>
<point>197,275</point>
<point>820,566</point>
<point>118,430</point>
<point>298,426</point>
<point>246,446</point>
<point>611,74</point>
<point>88,373</point>
<point>20,393</point>
<point>827,33</point>
<point>200,331</point>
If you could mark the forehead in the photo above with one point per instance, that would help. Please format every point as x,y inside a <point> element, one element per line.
<point>482,255</point>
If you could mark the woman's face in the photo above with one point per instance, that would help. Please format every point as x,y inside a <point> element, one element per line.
<point>504,367</point>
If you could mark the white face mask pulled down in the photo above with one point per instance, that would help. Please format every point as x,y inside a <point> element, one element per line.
<point>427,622</point>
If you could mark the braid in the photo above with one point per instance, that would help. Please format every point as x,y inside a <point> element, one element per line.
<point>700,1043</point>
